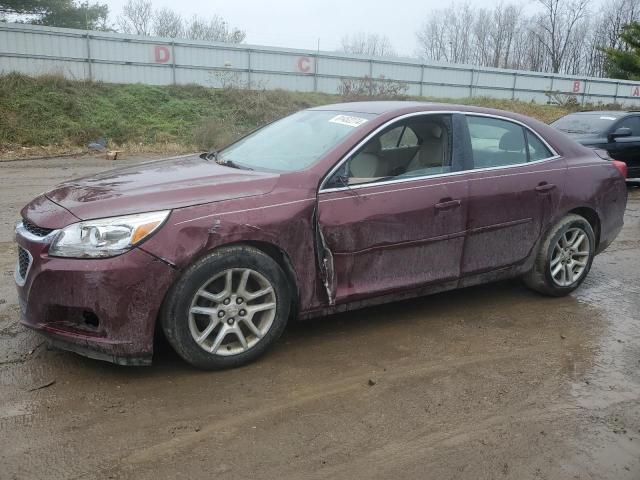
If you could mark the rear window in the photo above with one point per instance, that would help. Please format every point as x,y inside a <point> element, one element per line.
<point>585,123</point>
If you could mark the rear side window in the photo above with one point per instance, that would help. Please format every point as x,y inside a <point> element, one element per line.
<point>500,143</point>
<point>537,149</point>
<point>399,137</point>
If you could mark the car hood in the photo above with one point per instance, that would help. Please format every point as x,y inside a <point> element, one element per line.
<point>159,185</point>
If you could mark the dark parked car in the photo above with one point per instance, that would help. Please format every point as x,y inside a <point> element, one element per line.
<point>330,209</point>
<point>616,132</point>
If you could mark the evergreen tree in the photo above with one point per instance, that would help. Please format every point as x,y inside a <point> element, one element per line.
<point>624,63</point>
<point>58,13</point>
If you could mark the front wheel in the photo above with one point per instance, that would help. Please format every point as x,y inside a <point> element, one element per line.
<point>564,258</point>
<point>227,309</point>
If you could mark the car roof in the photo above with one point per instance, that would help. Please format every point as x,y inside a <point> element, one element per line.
<point>609,113</point>
<point>405,106</point>
<point>374,107</point>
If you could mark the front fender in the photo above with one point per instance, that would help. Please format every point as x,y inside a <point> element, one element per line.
<point>284,223</point>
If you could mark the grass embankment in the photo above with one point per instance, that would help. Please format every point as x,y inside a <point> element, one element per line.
<point>50,114</point>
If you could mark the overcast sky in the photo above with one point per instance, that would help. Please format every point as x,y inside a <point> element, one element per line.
<point>300,23</point>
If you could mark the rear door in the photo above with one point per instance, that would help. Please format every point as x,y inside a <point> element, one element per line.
<point>514,190</point>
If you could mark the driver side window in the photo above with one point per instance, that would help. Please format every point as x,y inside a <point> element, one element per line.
<point>415,147</point>
<point>632,123</point>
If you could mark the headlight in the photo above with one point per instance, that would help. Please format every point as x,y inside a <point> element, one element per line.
<point>105,237</point>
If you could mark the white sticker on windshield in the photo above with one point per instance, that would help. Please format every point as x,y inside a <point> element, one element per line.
<point>348,120</point>
<point>607,118</point>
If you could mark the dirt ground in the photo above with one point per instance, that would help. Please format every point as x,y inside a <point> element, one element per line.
<point>487,382</point>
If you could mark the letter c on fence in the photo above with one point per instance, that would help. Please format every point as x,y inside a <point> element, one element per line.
<point>162,54</point>
<point>304,64</point>
<point>576,86</point>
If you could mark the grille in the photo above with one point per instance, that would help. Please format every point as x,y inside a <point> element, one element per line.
<point>23,262</point>
<point>36,230</point>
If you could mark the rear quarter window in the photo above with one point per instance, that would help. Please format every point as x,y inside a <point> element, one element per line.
<point>537,149</point>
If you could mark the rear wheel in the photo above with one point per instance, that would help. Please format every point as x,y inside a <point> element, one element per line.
<point>564,258</point>
<point>227,309</point>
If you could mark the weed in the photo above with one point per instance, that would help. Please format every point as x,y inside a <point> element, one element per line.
<point>52,113</point>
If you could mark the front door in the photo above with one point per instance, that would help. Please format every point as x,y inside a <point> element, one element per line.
<point>394,217</point>
<point>627,149</point>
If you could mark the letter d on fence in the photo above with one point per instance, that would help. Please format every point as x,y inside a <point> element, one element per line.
<point>162,54</point>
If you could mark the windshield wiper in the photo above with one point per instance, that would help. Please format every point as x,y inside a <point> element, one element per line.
<point>211,155</point>
<point>214,155</point>
<point>232,164</point>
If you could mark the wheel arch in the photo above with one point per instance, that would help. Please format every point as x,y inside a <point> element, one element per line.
<point>281,257</point>
<point>273,251</point>
<point>591,216</point>
<point>588,213</point>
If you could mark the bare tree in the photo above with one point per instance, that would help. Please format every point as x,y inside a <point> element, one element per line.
<point>562,36</point>
<point>136,17</point>
<point>431,38</point>
<point>506,20</point>
<point>368,44</point>
<point>167,23</point>
<point>481,34</point>
<point>556,27</point>
<point>447,35</point>
<point>214,30</point>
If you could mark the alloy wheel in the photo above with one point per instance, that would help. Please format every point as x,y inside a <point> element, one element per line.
<point>570,257</point>
<point>232,312</point>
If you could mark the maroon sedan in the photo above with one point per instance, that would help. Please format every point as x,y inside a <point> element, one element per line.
<point>330,209</point>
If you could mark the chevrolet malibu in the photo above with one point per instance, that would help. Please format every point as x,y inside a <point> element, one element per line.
<point>327,210</point>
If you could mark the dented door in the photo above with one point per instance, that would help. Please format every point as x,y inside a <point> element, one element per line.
<point>399,235</point>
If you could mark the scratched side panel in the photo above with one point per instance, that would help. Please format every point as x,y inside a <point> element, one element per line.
<point>390,237</point>
<point>283,218</point>
<point>597,184</point>
<point>506,213</point>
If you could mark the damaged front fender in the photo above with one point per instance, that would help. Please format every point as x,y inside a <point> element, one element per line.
<point>285,224</point>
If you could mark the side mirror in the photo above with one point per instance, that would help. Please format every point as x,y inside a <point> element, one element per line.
<point>619,133</point>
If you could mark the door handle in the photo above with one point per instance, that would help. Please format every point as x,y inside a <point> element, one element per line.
<point>447,203</point>
<point>545,187</point>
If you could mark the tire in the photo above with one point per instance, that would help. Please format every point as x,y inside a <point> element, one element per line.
<point>547,279</point>
<point>191,316</point>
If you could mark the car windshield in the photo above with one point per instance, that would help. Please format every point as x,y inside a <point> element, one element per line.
<point>581,123</point>
<point>295,142</point>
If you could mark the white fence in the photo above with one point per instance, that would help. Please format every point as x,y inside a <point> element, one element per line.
<point>117,58</point>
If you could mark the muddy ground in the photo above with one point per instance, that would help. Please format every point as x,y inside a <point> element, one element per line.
<point>487,382</point>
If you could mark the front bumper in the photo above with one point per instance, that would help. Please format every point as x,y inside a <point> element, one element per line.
<point>100,308</point>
